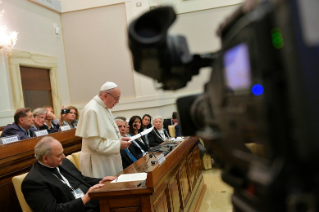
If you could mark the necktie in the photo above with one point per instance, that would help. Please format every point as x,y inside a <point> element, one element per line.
<point>130,155</point>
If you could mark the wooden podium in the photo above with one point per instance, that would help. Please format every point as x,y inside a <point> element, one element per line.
<point>176,185</point>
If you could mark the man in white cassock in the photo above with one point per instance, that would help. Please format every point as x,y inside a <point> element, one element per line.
<point>101,139</point>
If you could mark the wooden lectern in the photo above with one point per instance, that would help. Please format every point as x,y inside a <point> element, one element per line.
<point>176,185</point>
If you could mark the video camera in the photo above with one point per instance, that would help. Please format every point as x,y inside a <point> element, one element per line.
<point>263,89</point>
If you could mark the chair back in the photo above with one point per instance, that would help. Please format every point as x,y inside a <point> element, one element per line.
<point>171,130</point>
<point>17,181</point>
<point>76,157</point>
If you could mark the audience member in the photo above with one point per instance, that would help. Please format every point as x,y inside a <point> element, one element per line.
<point>22,126</point>
<point>128,154</point>
<point>70,118</point>
<point>158,134</point>
<point>127,128</point>
<point>139,144</point>
<point>55,184</point>
<point>175,122</point>
<point>51,121</point>
<point>40,115</point>
<point>146,122</point>
<point>101,143</point>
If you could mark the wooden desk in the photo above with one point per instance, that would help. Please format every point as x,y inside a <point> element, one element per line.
<point>17,158</point>
<point>176,185</point>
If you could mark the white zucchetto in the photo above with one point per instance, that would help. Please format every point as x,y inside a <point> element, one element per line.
<point>108,86</point>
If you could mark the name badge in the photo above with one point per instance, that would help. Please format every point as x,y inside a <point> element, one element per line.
<point>41,133</point>
<point>65,128</point>
<point>161,158</point>
<point>9,139</point>
<point>77,193</point>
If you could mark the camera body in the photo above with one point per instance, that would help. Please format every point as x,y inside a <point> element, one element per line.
<point>65,111</point>
<point>263,89</point>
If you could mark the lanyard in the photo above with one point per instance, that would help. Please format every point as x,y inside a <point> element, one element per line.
<point>64,180</point>
<point>160,136</point>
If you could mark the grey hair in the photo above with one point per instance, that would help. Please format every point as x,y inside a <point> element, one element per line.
<point>157,117</point>
<point>101,92</point>
<point>43,147</point>
<point>119,120</point>
<point>39,111</point>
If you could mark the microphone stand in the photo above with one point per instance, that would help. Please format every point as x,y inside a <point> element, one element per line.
<point>149,155</point>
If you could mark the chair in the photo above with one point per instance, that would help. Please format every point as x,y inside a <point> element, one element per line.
<point>76,157</point>
<point>70,158</point>
<point>171,130</point>
<point>17,181</point>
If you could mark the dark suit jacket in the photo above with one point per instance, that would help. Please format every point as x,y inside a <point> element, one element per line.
<point>45,192</point>
<point>135,150</point>
<point>177,132</point>
<point>54,128</point>
<point>14,129</point>
<point>126,160</point>
<point>154,139</point>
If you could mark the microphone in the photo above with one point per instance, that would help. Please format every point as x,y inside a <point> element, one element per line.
<point>135,126</point>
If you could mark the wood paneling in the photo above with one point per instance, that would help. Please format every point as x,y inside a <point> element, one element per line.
<point>184,188</point>
<point>17,158</point>
<point>174,186</point>
<point>161,203</point>
<point>174,200</point>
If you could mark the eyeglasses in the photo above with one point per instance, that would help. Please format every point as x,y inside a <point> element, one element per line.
<point>116,98</point>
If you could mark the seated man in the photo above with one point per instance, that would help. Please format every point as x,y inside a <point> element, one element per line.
<point>55,184</point>
<point>40,115</point>
<point>22,126</point>
<point>128,155</point>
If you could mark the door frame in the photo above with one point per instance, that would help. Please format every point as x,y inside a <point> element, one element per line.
<point>22,58</point>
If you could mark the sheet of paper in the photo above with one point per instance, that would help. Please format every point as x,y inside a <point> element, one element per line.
<point>130,177</point>
<point>140,134</point>
<point>177,139</point>
<point>147,131</point>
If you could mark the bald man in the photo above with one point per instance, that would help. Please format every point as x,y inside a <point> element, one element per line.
<point>102,142</point>
<point>55,184</point>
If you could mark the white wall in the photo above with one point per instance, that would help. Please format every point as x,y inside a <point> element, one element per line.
<point>36,34</point>
<point>94,50</point>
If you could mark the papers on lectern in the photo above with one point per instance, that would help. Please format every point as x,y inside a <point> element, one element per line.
<point>130,177</point>
<point>141,134</point>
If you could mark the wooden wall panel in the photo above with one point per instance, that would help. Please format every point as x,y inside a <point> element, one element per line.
<point>174,200</point>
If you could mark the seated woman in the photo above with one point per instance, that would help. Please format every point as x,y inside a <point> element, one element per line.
<point>52,122</point>
<point>146,122</point>
<point>40,115</point>
<point>158,134</point>
<point>70,118</point>
<point>140,144</point>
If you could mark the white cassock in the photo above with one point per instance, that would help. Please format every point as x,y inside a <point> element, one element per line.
<point>100,154</point>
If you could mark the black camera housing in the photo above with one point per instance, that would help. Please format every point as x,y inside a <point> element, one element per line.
<point>65,111</point>
<point>282,116</point>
